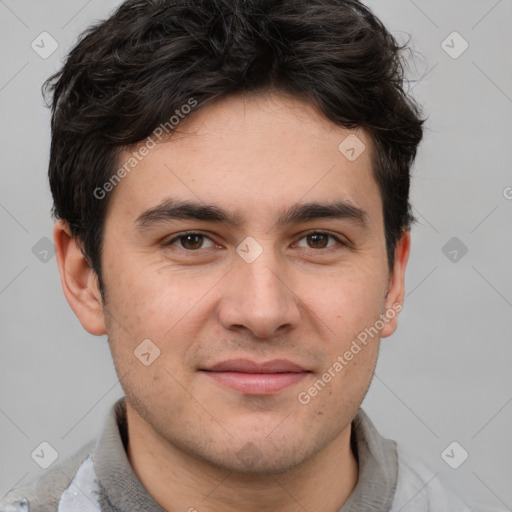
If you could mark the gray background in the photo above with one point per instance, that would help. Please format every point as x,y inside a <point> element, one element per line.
<point>443,377</point>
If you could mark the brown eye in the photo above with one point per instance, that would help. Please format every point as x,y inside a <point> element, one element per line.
<point>190,241</point>
<point>319,240</point>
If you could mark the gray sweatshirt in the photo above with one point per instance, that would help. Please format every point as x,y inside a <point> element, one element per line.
<point>99,477</point>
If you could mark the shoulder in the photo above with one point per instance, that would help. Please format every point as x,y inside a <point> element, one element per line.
<point>419,489</point>
<point>46,492</point>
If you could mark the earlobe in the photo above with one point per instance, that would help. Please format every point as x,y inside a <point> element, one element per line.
<point>79,281</point>
<point>395,295</point>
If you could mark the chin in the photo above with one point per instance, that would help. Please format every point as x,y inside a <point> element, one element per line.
<point>250,461</point>
<point>259,456</point>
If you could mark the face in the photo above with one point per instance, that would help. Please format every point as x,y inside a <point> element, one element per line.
<point>256,277</point>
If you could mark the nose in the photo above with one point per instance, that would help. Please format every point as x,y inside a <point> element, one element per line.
<point>259,296</point>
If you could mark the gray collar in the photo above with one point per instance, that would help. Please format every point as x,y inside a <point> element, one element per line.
<point>122,491</point>
<point>378,468</point>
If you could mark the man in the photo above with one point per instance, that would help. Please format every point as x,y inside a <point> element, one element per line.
<point>230,183</point>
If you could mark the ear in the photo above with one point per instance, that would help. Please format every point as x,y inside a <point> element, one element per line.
<point>79,281</point>
<point>396,285</point>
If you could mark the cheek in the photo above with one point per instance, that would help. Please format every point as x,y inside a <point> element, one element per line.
<point>157,303</point>
<point>148,297</point>
<point>347,301</point>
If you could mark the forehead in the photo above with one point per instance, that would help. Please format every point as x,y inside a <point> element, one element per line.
<point>252,154</point>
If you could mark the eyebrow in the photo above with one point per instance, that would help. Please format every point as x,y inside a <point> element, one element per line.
<point>170,209</point>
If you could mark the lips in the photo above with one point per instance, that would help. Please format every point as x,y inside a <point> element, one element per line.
<point>252,378</point>
<point>248,366</point>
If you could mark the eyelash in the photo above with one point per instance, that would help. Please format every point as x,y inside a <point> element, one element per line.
<point>186,233</point>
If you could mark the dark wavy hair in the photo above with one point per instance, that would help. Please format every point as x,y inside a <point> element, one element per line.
<point>130,73</point>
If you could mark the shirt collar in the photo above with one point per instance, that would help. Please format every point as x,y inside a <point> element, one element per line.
<point>378,468</point>
<point>120,488</point>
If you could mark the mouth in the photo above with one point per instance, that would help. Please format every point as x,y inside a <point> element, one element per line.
<point>253,378</point>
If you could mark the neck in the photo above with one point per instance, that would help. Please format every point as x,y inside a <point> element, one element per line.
<point>180,482</point>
